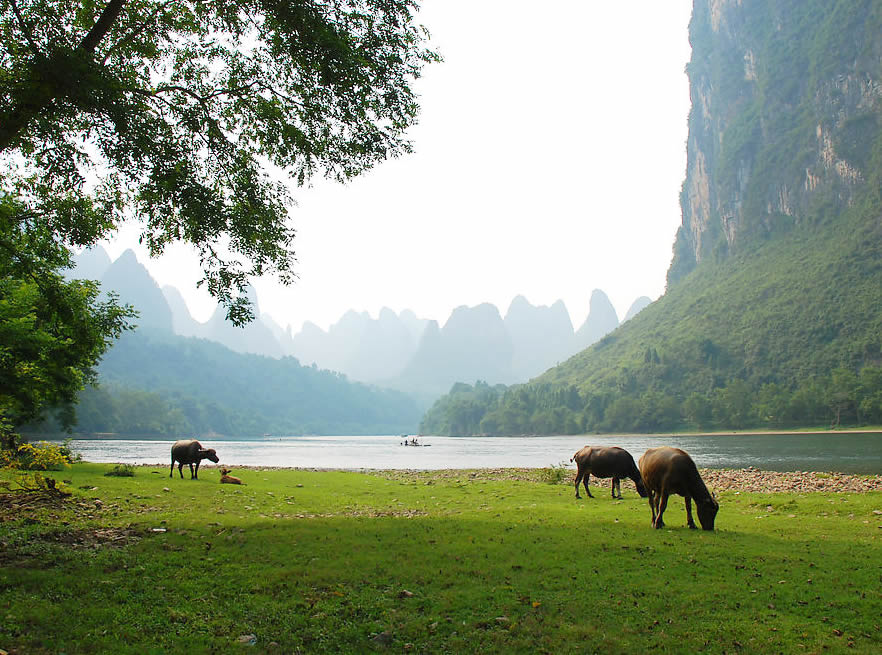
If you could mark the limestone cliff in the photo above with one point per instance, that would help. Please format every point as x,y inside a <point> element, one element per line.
<point>785,122</point>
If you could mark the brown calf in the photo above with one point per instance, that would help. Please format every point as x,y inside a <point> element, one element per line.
<point>226,478</point>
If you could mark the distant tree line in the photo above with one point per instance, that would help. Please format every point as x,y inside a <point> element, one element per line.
<point>843,399</point>
<point>165,385</point>
<point>148,413</point>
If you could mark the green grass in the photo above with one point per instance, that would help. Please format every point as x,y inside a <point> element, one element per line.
<point>326,562</point>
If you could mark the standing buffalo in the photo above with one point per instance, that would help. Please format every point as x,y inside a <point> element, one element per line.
<point>190,451</point>
<point>669,471</point>
<point>607,462</point>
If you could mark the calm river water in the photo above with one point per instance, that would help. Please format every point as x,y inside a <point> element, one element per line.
<point>843,452</point>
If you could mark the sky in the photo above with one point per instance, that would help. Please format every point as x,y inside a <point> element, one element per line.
<point>548,161</point>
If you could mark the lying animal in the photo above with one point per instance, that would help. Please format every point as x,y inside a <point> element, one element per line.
<point>607,462</point>
<point>190,451</point>
<point>669,471</point>
<point>226,478</point>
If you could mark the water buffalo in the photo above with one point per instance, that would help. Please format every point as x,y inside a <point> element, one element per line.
<point>607,462</point>
<point>190,451</point>
<point>669,471</point>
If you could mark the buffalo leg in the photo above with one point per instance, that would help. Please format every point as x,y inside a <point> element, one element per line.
<point>181,469</point>
<point>616,486</point>
<point>171,473</point>
<point>191,470</point>
<point>662,504</point>
<point>689,520</point>
<point>579,476</point>
<point>196,474</point>
<point>585,482</point>
<point>652,497</point>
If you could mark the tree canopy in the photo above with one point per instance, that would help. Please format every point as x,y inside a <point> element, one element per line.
<point>177,113</point>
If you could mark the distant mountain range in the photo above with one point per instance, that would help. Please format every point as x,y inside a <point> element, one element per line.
<point>398,351</point>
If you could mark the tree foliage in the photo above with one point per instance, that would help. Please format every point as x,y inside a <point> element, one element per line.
<point>52,332</point>
<point>173,112</point>
<point>842,399</point>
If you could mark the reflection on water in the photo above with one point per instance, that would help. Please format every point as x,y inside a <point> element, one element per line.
<point>846,453</point>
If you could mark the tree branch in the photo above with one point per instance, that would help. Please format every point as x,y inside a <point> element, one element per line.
<point>138,29</point>
<point>202,99</point>
<point>24,28</point>
<point>102,25</point>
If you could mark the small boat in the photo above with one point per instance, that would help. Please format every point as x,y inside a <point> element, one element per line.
<point>412,441</point>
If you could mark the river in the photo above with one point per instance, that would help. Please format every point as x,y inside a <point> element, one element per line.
<point>840,452</point>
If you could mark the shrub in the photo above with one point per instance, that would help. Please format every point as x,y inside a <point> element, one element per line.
<point>559,474</point>
<point>42,456</point>
<point>121,471</point>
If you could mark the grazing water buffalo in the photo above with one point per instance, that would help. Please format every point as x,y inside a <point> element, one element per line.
<point>190,451</point>
<point>669,471</point>
<point>607,462</point>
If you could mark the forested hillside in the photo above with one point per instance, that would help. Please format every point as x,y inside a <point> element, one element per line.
<point>773,312</point>
<point>168,385</point>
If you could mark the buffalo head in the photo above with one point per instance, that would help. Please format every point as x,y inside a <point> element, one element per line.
<point>641,488</point>
<point>707,512</point>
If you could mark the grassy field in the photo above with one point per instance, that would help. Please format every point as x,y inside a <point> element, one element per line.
<point>462,562</point>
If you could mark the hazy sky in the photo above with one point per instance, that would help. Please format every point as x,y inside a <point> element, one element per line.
<point>548,162</point>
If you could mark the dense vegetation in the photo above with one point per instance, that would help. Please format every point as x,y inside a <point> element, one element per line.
<point>842,400</point>
<point>166,385</point>
<point>334,562</point>
<point>52,331</point>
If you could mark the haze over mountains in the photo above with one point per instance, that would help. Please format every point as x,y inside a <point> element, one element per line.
<point>399,351</point>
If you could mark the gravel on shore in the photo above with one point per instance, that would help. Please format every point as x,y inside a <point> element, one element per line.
<point>756,480</point>
<point>749,479</point>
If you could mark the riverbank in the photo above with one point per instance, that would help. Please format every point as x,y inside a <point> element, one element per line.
<point>757,481</point>
<point>806,431</point>
<point>740,480</point>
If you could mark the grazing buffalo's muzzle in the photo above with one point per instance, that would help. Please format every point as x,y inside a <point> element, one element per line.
<point>707,512</point>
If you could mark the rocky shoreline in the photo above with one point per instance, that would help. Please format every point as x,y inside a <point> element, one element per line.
<point>756,480</point>
<point>749,480</point>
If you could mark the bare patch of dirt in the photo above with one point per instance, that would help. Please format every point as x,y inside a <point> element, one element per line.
<point>36,508</point>
<point>95,538</point>
<point>15,504</point>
